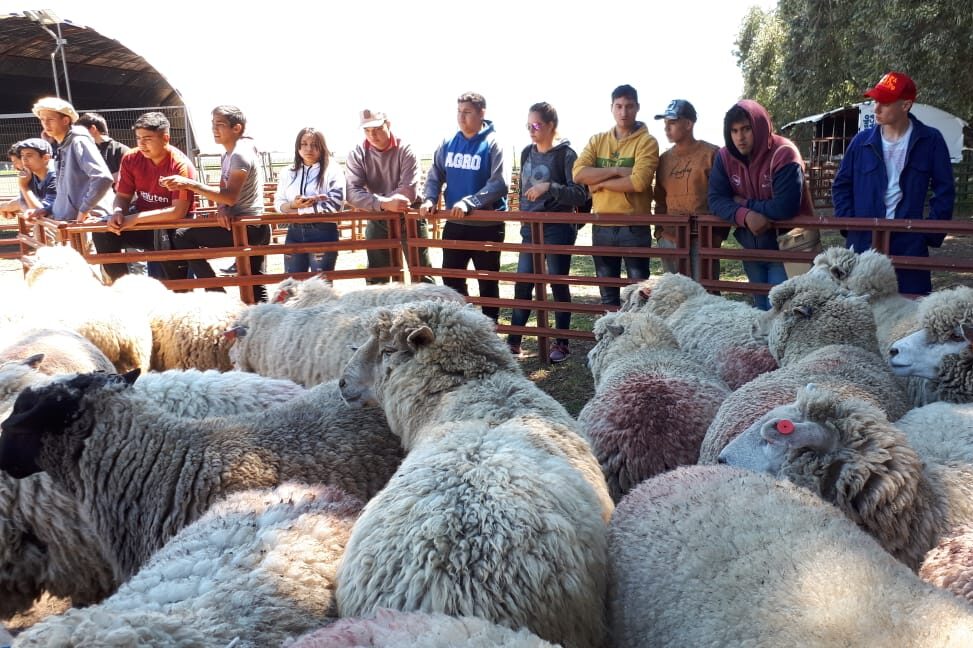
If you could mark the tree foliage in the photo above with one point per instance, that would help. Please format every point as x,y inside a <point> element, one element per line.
<point>809,56</point>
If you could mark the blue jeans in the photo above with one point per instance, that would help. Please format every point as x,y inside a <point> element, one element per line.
<point>611,266</point>
<point>311,233</point>
<point>764,272</point>
<point>557,264</point>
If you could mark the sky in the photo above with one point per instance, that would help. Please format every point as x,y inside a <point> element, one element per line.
<point>320,64</point>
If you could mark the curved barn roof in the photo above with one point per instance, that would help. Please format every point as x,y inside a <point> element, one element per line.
<point>103,73</point>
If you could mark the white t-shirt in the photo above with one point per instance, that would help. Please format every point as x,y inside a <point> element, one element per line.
<point>894,154</point>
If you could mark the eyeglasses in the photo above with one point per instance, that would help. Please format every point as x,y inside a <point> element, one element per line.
<point>534,126</point>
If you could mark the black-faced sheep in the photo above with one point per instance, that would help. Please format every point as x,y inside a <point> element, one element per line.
<point>847,452</point>
<point>490,456</point>
<point>652,403</point>
<point>821,334</point>
<point>940,350</point>
<point>393,629</point>
<point>713,556</point>
<point>713,330</point>
<point>256,569</point>
<point>102,441</point>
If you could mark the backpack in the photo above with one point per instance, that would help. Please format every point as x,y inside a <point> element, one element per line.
<point>562,153</point>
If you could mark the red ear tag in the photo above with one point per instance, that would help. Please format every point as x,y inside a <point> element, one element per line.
<point>784,426</point>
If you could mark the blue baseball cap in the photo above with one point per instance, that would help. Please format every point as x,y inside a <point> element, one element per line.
<point>677,109</point>
<point>35,143</point>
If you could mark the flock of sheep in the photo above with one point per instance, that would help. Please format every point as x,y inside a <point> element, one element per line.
<point>373,468</point>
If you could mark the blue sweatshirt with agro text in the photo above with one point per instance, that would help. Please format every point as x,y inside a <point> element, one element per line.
<point>472,169</point>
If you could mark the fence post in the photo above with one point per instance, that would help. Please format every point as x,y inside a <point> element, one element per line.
<point>395,251</point>
<point>540,289</point>
<point>239,231</point>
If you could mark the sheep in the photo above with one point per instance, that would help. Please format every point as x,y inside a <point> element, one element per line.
<point>714,331</point>
<point>255,570</point>
<point>187,328</point>
<point>61,350</point>
<point>59,268</point>
<point>434,362</point>
<point>318,290</point>
<point>819,333</point>
<point>940,349</point>
<point>44,537</point>
<point>307,345</point>
<point>949,565</point>
<point>871,275</point>
<point>100,439</point>
<point>497,482</point>
<point>487,521</point>
<point>940,432</point>
<point>716,556</point>
<point>846,451</point>
<point>392,629</point>
<point>652,403</point>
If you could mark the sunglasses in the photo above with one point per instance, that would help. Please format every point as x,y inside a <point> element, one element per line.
<point>534,126</point>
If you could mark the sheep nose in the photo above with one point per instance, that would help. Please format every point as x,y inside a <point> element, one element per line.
<point>342,383</point>
<point>893,352</point>
<point>721,459</point>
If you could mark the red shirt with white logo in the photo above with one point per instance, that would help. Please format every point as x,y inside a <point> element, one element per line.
<point>139,176</point>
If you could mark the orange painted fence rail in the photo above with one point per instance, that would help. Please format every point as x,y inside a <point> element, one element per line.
<point>686,229</point>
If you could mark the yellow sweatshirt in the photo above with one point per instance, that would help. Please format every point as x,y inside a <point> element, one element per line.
<point>638,150</point>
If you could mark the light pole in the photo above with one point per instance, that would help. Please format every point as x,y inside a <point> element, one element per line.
<point>43,18</point>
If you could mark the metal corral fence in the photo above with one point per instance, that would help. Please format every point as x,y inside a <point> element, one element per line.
<point>698,228</point>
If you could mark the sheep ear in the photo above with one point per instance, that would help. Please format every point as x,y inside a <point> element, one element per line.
<point>803,311</point>
<point>132,376</point>
<point>615,329</point>
<point>420,337</point>
<point>797,434</point>
<point>34,361</point>
<point>838,273</point>
<point>645,292</point>
<point>235,332</point>
<point>282,296</point>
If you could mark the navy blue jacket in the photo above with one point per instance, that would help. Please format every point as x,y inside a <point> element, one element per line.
<point>859,191</point>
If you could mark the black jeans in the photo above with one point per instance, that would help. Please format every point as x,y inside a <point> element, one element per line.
<point>109,242</point>
<point>199,237</point>
<point>459,259</point>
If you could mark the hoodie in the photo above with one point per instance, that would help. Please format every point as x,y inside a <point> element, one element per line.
<point>771,179</point>
<point>472,169</point>
<point>83,179</point>
<point>555,167</point>
<point>639,151</point>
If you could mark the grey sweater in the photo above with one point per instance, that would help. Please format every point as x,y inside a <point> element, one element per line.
<point>371,173</point>
<point>83,179</point>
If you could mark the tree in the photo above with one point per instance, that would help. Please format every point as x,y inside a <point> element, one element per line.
<point>809,56</point>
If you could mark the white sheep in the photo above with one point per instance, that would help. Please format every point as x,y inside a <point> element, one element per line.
<point>255,570</point>
<point>318,290</point>
<point>714,331</point>
<point>499,508</point>
<point>714,556</point>
<point>871,275</point>
<point>307,345</point>
<point>59,268</point>
<point>940,350</point>
<point>187,328</point>
<point>652,403</point>
<point>819,333</point>
<point>846,451</point>
<point>103,441</point>
<point>949,564</point>
<point>47,543</point>
<point>393,629</point>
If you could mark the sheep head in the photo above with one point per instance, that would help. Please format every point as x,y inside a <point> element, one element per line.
<point>942,344</point>
<point>39,428</point>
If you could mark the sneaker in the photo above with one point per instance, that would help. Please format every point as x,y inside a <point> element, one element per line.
<point>514,349</point>
<point>559,352</point>
<point>230,270</point>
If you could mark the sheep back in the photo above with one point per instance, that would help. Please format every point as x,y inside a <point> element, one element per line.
<point>481,521</point>
<point>949,565</point>
<point>699,555</point>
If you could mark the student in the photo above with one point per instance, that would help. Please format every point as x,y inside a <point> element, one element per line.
<point>618,167</point>
<point>38,186</point>
<point>240,194</point>
<point>111,150</point>
<point>471,166</point>
<point>314,184</point>
<point>889,169</point>
<point>141,198</point>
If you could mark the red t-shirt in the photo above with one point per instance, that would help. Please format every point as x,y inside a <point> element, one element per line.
<point>139,177</point>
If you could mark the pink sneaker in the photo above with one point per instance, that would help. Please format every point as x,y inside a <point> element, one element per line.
<point>559,352</point>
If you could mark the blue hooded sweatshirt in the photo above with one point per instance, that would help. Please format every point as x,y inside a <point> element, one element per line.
<point>472,169</point>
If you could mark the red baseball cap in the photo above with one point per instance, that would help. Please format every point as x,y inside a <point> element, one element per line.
<point>892,87</point>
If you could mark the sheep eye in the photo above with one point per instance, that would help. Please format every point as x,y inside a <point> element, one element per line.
<point>387,351</point>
